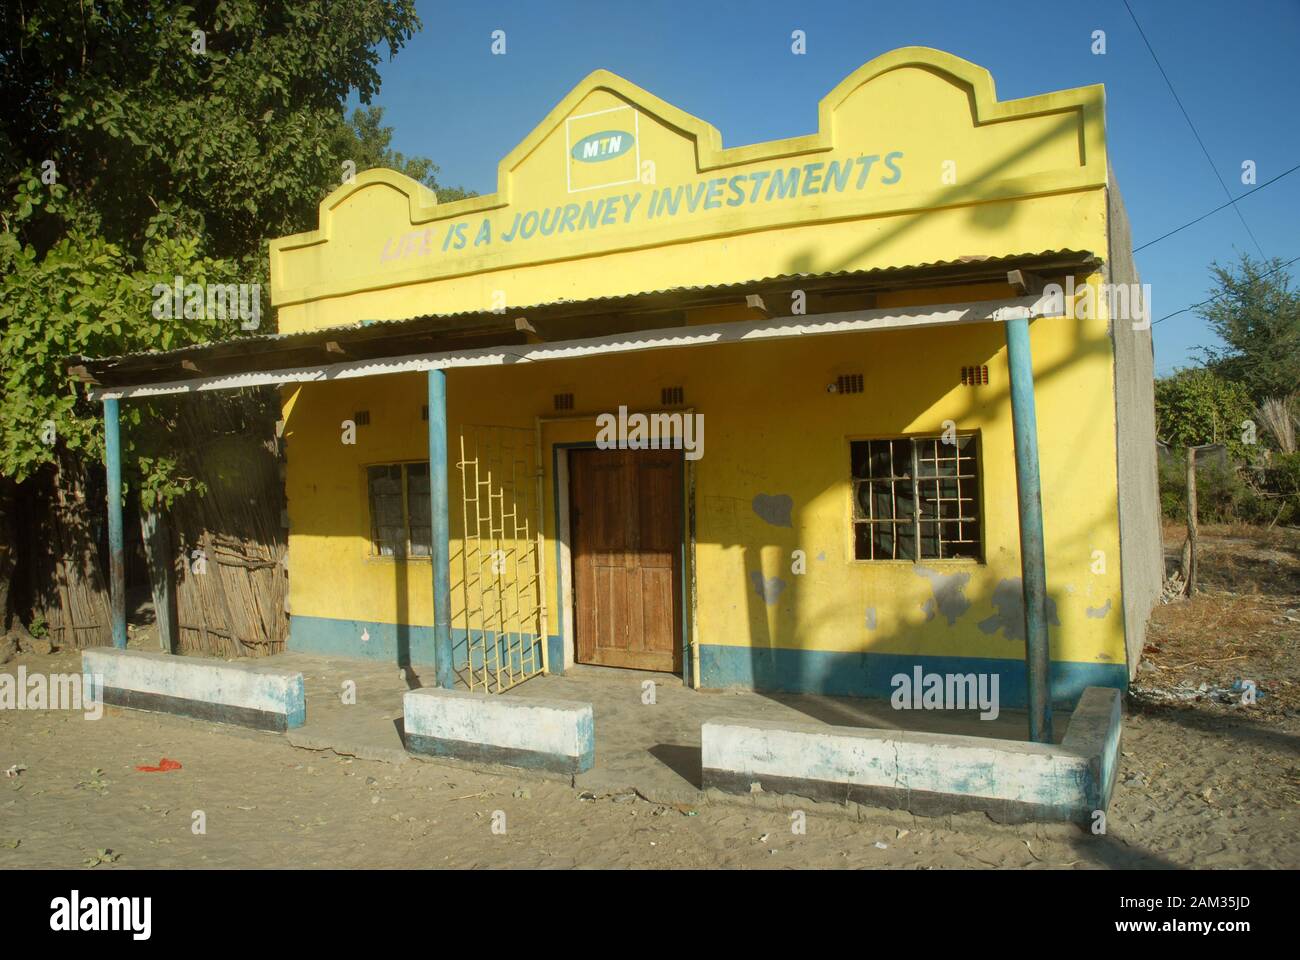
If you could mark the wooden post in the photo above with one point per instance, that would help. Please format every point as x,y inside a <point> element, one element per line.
<point>1189,548</point>
<point>160,558</point>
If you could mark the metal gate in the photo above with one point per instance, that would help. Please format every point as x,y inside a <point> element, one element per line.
<point>502,589</point>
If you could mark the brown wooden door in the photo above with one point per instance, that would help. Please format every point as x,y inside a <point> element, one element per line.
<point>626,515</point>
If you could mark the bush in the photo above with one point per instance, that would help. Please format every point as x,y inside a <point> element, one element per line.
<point>1282,479</point>
<point>1196,406</point>
<point>1224,494</point>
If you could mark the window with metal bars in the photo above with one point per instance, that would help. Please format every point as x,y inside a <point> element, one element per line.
<point>849,383</point>
<point>399,510</point>
<point>916,498</point>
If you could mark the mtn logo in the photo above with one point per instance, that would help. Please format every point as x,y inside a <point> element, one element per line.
<point>603,146</point>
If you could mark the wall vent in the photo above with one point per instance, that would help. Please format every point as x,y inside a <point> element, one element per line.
<point>672,396</point>
<point>974,376</point>
<point>564,401</point>
<point>361,418</point>
<point>424,412</point>
<point>849,383</point>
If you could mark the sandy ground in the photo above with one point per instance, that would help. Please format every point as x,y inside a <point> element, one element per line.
<point>1193,797</point>
<point>1204,783</point>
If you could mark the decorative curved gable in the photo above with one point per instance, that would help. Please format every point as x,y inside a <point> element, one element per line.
<point>613,168</point>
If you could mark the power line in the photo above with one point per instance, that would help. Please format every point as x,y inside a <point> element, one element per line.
<point>1226,192</point>
<point>1218,296</point>
<point>1191,223</point>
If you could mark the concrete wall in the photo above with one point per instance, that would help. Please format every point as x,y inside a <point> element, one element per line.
<point>1139,489</point>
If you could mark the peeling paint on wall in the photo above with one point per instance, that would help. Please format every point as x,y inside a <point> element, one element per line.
<point>768,588</point>
<point>1098,613</point>
<point>871,618</point>
<point>949,593</point>
<point>774,508</point>
<point>1008,600</point>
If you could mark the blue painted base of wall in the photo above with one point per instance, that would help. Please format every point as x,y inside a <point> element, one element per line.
<point>386,642</point>
<point>778,670</point>
<point>783,670</point>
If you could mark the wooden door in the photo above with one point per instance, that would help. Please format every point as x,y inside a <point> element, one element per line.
<point>626,521</point>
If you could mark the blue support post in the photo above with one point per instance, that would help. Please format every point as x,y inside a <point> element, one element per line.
<point>116,554</point>
<point>441,530</point>
<point>1033,562</point>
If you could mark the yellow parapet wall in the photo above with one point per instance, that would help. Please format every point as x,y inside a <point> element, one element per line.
<point>914,130</point>
<point>616,192</point>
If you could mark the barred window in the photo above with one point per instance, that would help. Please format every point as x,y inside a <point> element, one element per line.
<point>399,510</point>
<point>916,498</point>
<point>419,509</point>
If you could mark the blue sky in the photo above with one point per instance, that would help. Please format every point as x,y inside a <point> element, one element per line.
<point>1234,66</point>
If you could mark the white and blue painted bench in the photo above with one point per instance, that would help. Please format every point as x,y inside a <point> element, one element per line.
<point>925,773</point>
<point>558,736</point>
<point>247,693</point>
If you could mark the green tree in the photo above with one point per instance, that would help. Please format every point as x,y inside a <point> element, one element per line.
<point>142,140</point>
<point>368,142</point>
<point>216,118</point>
<point>1197,406</point>
<point>1256,314</point>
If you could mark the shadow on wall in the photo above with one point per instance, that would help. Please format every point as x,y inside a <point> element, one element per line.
<point>774,665</point>
<point>987,217</point>
<point>777,658</point>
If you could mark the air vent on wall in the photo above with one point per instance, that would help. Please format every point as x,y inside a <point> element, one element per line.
<point>361,418</point>
<point>849,383</point>
<point>564,401</point>
<point>672,396</point>
<point>974,376</point>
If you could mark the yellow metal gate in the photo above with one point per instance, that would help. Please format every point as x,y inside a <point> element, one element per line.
<point>502,591</point>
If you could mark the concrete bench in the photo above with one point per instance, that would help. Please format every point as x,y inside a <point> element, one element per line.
<point>925,773</point>
<point>247,693</point>
<point>554,735</point>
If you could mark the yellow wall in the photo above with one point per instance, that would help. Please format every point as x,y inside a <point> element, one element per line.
<point>1026,176</point>
<point>770,427</point>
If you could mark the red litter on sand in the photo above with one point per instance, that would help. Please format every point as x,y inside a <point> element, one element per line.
<point>163,766</point>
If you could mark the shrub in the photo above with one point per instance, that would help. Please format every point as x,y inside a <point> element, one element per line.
<point>1224,492</point>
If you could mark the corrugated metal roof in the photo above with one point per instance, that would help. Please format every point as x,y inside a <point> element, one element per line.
<point>373,339</point>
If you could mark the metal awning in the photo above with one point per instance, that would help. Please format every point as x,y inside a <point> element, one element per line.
<point>652,320</point>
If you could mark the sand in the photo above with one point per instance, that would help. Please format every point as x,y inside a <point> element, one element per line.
<point>1209,793</point>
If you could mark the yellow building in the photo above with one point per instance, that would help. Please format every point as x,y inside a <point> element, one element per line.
<point>740,413</point>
